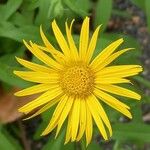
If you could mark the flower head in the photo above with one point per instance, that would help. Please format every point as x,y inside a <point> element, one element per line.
<point>76,82</point>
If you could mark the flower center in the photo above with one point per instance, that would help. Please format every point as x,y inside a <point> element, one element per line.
<point>77,81</point>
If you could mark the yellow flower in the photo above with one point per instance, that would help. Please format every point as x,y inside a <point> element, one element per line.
<point>77,82</point>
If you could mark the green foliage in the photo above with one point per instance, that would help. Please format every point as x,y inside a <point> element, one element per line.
<point>58,144</point>
<point>139,3</point>
<point>9,8</point>
<point>74,6</point>
<point>103,12</point>
<point>132,132</point>
<point>7,141</point>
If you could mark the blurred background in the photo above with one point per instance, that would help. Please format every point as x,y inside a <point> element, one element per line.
<point>20,19</point>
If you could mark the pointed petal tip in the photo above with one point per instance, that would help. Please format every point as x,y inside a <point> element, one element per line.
<point>24,41</point>
<point>19,60</point>
<point>15,72</point>
<point>56,136</point>
<point>66,142</point>
<point>21,110</point>
<point>121,39</point>
<point>57,132</point>
<point>72,21</point>
<point>16,94</point>
<point>105,138</point>
<point>87,144</point>
<point>110,134</point>
<point>44,133</point>
<point>87,17</point>
<point>132,48</point>
<point>19,94</point>
<point>130,117</point>
<point>54,22</point>
<point>41,30</point>
<point>16,57</point>
<point>27,118</point>
<point>73,140</point>
<point>138,97</point>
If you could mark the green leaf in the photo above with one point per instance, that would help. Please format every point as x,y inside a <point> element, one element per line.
<point>5,143</point>
<point>8,45</point>
<point>9,8</point>
<point>31,5</point>
<point>117,145</point>
<point>137,113</point>
<point>46,116</point>
<point>139,3</point>
<point>8,143</point>
<point>54,144</point>
<point>103,13</point>
<point>147,10</point>
<point>6,75</point>
<point>131,131</point>
<point>20,20</point>
<point>75,8</point>
<point>56,9</point>
<point>84,5</point>
<point>9,58</point>
<point>58,144</point>
<point>8,30</point>
<point>142,81</point>
<point>42,16</point>
<point>93,146</point>
<point>145,99</point>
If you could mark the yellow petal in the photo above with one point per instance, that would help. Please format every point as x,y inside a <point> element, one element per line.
<point>54,121</point>
<point>75,118</point>
<point>39,77</point>
<point>92,44</point>
<point>82,119</point>
<point>118,68</point>
<point>102,113</point>
<point>33,66</point>
<point>60,39</point>
<point>113,102</point>
<point>64,114</point>
<point>84,38</point>
<point>119,91</point>
<point>97,118</point>
<point>102,80</point>
<point>105,53</point>
<point>119,71</point>
<point>69,127</point>
<point>58,57</point>
<point>41,100</point>
<point>34,89</point>
<point>42,56</point>
<point>55,53</point>
<point>109,98</point>
<point>44,108</point>
<point>73,49</point>
<point>111,58</point>
<point>89,126</point>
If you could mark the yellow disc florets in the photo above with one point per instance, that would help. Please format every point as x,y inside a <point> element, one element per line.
<point>77,81</point>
